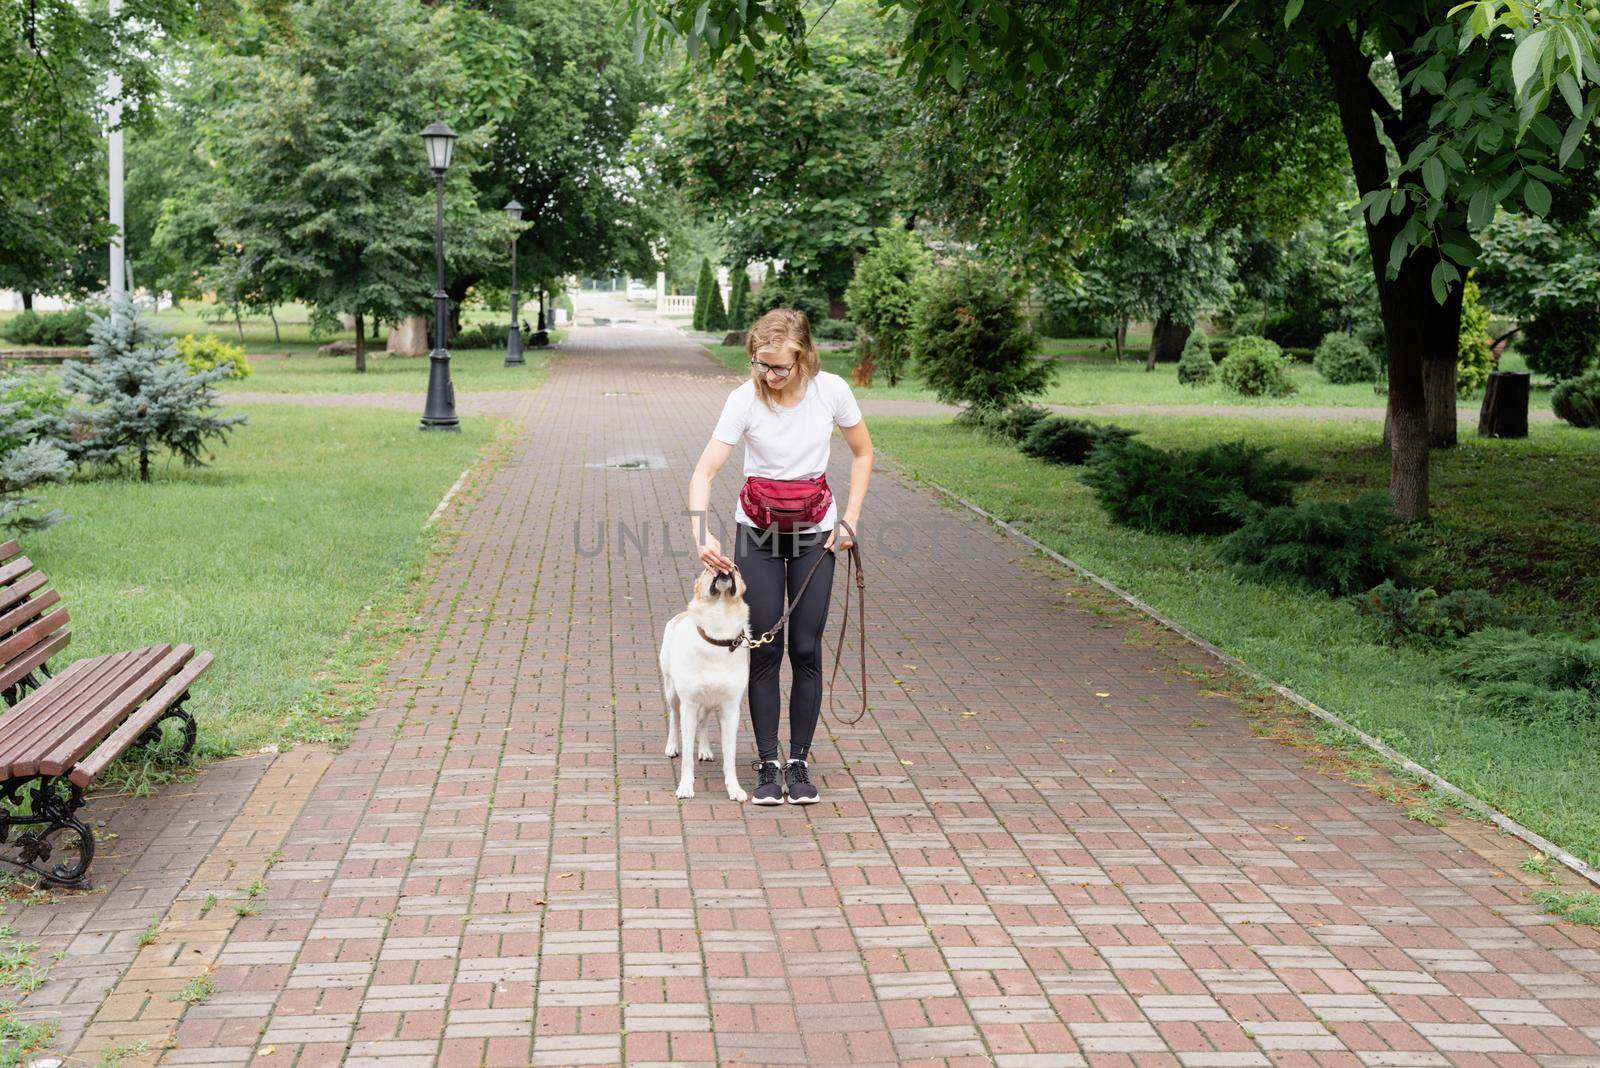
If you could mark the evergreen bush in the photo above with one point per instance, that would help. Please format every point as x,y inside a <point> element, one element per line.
<point>1577,400</point>
<point>141,395</point>
<point>1195,366</point>
<point>716,313</point>
<point>1011,424</point>
<point>1188,491</point>
<point>1343,359</point>
<point>1060,439</point>
<point>787,292</point>
<point>835,330</point>
<point>1474,344</point>
<point>1336,547</point>
<point>1561,342</point>
<point>739,298</point>
<point>883,296</point>
<point>706,282</point>
<point>1523,676</point>
<point>1403,614</point>
<point>60,329</point>
<point>31,454</point>
<point>972,346</point>
<point>1255,367</point>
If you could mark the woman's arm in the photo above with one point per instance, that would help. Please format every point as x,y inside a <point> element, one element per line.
<point>708,548</point>
<point>860,442</point>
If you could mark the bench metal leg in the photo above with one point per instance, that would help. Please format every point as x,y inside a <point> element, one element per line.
<point>154,734</point>
<point>51,841</point>
<point>24,686</point>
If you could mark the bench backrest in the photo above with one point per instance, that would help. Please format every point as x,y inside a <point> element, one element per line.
<point>33,625</point>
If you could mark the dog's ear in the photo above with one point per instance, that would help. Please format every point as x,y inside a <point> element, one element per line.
<point>738,584</point>
<point>702,585</point>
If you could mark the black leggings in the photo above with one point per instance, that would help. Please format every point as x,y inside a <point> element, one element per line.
<point>774,565</point>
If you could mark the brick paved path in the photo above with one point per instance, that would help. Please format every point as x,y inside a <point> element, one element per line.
<point>1044,847</point>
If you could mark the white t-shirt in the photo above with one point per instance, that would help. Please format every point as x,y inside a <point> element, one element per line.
<point>790,442</point>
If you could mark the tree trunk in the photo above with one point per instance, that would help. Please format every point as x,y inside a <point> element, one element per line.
<point>361,344</point>
<point>27,302</point>
<point>1439,364</point>
<point>1405,339</point>
<point>144,462</point>
<point>238,322</point>
<point>375,328</point>
<point>1167,341</point>
<point>1119,338</point>
<point>277,335</point>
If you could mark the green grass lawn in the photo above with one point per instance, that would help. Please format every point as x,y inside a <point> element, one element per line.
<point>290,557</point>
<point>286,360</point>
<point>1500,522</point>
<point>1088,376</point>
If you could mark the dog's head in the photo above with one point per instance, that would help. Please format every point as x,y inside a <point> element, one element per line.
<point>712,586</point>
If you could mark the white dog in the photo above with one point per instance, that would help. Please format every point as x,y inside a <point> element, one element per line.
<point>705,670</point>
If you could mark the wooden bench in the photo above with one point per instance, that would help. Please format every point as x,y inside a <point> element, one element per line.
<point>63,729</point>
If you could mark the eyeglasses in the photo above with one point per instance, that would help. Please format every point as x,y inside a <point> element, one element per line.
<point>776,371</point>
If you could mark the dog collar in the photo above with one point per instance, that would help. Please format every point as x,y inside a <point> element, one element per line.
<point>730,643</point>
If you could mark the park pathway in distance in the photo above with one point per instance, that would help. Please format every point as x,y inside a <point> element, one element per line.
<point>1044,846</point>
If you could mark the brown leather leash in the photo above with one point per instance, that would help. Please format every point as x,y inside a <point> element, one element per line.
<point>852,561</point>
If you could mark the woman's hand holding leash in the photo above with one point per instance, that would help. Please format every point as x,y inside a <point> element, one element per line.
<point>841,538</point>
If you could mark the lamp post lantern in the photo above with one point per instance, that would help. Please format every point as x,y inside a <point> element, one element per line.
<point>514,337</point>
<point>440,411</point>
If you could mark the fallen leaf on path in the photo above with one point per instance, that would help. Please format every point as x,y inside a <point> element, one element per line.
<point>1101,694</point>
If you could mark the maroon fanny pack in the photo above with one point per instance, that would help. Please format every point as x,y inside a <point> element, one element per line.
<point>785,503</point>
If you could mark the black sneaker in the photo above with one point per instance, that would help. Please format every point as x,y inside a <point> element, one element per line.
<point>797,780</point>
<point>770,790</point>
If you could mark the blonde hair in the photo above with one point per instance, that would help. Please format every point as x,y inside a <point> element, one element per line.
<point>779,333</point>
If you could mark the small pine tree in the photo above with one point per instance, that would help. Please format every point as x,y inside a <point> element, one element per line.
<point>1475,343</point>
<point>141,395</point>
<point>972,345</point>
<point>716,314</point>
<point>883,296</point>
<point>1195,366</point>
<point>739,298</point>
<point>30,455</point>
<point>702,294</point>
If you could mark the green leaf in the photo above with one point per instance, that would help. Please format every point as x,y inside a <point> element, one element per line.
<point>1480,209</point>
<point>1374,204</point>
<point>1537,196</point>
<point>1569,92</point>
<point>1444,275</point>
<point>1291,10</point>
<point>1433,177</point>
<point>1574,134</point>
<point>1525,60</point>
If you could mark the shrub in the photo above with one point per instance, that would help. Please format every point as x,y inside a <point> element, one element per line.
<point>1063,440</point>
<point>836,330</point>
<point>482,336</point>
<point>31,410</point>
<point>1333,546</point>
<point>1523,676</point>
<point>1577,400</point>
<point>1341,359</point>
<point>1402,613</point>
<point>205,352</point>
<point>1188,491</point>
<point>1195,366</point>
<point>739,298</point>
<point>716,312</point>
<point>68,328</point>
<point>704,285</point>
<point>1256,367</point>
<point>971,344</point>
<point>883,296</point>
<point>141,394</point>
<point>1475,344</point>
<point>1012,423</point>
<point>1561,342</point>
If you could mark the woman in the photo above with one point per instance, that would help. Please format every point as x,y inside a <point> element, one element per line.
<point>785,415</point>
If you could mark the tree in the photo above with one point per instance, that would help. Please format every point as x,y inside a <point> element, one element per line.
<point>972,346</point>
<point>142,397</point>
<point>1443,118</point>
<point>703,289</point>
<point>716,314</point>
<point>1545,274</point>
<point>739,298</point>
<point>883,298</point>
<point>814,195</point>
<point>323,188</point>
<point>31,454</point>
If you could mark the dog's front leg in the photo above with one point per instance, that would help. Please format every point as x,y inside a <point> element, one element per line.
<point>672,722</point>
<point>688,718</point>
<point>703,751</point>
<point>730,777</point>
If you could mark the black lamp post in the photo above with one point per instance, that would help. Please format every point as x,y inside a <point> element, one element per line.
<point>514,338</point>
<point>440,412</point>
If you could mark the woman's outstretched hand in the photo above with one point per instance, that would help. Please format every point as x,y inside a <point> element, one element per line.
<point>841,537</point>
<point>710,555</point>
